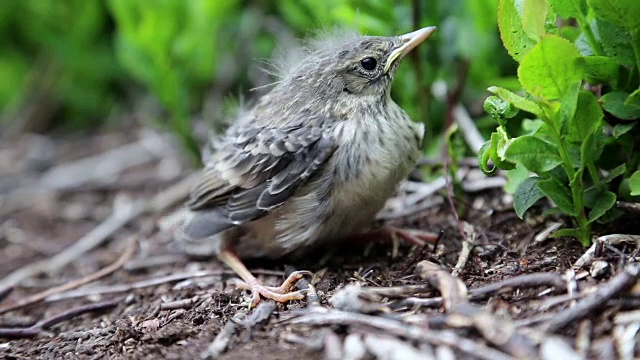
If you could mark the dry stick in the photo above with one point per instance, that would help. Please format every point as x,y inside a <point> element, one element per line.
<point>420,253</point>
<point>126,255</point>
<point>398,328</point>
<point>460,313</point>
<point>180,304</point>
<point>521,281</point>
<point>630,206</point>
<point>589,305</point>
<point>477,184</point>
<point>612,239</point>
<point>467,246</point>
<point>452,102</point>
<point>625,340</point>
<point>34,330</point>
<point>452,204</point>
<point>124,211</point>
<point>149,283</point>
<point>469,130</point>
<point>112,162</point>
<point>223,340</point>
<point>453,290</point>
<point>5,291</point>
<point>136,285</point>
<point>415,302</point>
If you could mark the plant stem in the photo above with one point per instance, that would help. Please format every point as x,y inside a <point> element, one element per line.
<point>577,191</point>
<point>635,44</point>
<point>593,171</point>
<point>588,32</point>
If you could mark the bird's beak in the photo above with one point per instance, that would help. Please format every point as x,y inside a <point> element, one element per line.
<point>407,43</point>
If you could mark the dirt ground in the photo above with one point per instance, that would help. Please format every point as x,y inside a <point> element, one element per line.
<point>86,273</point>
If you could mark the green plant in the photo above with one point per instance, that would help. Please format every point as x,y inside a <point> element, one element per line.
<point>578,61</point>
<point>171,46</point>
<point>56,63</point>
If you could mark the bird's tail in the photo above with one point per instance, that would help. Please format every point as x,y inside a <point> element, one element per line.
<point>197,232</point>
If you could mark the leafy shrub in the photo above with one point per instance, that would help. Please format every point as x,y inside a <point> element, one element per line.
<point>57,53</point>
<point>171,46</point>
<point>83,61</point>
<point>578,69</point>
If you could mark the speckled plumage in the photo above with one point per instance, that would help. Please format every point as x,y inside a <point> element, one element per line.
<point>313,161</point>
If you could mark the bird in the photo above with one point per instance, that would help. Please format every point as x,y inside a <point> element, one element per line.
<point>311,162</point>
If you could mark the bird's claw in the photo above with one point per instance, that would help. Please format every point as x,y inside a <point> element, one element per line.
<point>280,293</point>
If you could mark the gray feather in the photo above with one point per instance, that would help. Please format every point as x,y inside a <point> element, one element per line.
<point>205,224</point>
<point>259,170</point>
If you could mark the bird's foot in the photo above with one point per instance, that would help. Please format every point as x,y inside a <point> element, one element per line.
<point>412,236</point>
<point>394,234</point>
<point>280,293</point>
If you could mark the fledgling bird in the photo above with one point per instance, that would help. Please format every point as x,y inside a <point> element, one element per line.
<point>312,162</point>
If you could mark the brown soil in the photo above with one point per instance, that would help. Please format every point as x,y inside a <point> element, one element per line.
<point>137,326</point>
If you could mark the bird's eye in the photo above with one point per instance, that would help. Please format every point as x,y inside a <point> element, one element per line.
<point>369,63</point>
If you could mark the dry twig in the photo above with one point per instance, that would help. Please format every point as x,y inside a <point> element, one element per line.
<point>589,305</point>
<point>37,328</point>
<point>398,328</point>
<point>118,288</point>
<point>126,255</point>
<point>223,340</point>
<point>124,211</point>
<point>460,313</point>
<point>467,246</point>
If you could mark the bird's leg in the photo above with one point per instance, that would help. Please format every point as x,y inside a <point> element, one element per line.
<point>390,233</point>
<point>281,293</point>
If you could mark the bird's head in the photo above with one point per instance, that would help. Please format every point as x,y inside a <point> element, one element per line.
<point>336,72</point>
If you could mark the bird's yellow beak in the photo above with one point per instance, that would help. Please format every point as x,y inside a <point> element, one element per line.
<point>408,42</point>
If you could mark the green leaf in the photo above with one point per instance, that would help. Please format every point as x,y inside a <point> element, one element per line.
<point>594,148</point>
<point>572,34</point>
<point>551,67</point>
<point>500,142</point>
<point>604,201</point>
<point>615,41</point>
<point>622,129</point>
<point>535,154</point>
<point>499,109</point>
<point>484,155</point>
<point>517,100</point>
<point>491,149</point>
<point>514,38</point>
<point>559,194</point>
<point>515,177</point>
<point>569,8</point>
<point>625,13</point>
<point>534,13</point>
<point>614,173</point>
<point>588,117</point>
<point>585,151</point>
<point>634,98</point>
<point>574,233</point>
<point>552,212</point>
<point>634,183</point>
<point>526,195</point>
<point>601,69</point>
<point>530,126</point>
<point>568,106</point>
<point>546,133</point>
<point>611,215</point>
<point>615,103</point>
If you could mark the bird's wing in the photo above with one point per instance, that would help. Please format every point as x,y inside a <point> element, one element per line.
<point>255,169</point>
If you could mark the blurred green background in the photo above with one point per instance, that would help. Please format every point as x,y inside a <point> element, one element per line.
<point>86,65</point>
